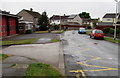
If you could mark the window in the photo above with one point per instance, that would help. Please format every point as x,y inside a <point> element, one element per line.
<point>98,31</point>
<point>108,19</point>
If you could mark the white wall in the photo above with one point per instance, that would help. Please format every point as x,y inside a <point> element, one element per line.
<point>56,22</point>
<point>107,20</point>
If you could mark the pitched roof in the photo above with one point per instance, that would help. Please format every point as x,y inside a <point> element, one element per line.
<point>33,13</point>
<point>57,17</point>
<point>110,15</point>
<point>7,14</point>
<point>72,16</point>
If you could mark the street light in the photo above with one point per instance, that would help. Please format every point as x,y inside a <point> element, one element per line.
<point>115,19</point>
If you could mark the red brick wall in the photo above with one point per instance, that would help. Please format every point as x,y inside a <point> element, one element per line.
<point>3,26</point>
<point>7,24</point>
<point>12,24</point>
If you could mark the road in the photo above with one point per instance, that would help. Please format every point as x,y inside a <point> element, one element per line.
<point>85,57</point>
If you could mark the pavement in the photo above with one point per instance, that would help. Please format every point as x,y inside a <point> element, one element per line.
<point>89,58</point>
<point>23,55</point>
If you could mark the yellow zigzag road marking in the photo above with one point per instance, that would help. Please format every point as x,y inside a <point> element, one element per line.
<point>85,64</point>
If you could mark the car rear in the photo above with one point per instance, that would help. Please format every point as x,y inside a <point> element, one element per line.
<point>82,31</point>
<point>99,34</point>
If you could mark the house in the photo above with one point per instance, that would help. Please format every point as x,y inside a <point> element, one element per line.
<point>86,21</point>
<point>55,20</point>
<point>66,20</point>
<point>74,20</point>
<point>109,19</point>
<point>28,20</point>
<point>94,22</point>
<point>8,24</point>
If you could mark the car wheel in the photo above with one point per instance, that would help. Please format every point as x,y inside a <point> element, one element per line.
<point>90,36</point>
<point>102,38</point>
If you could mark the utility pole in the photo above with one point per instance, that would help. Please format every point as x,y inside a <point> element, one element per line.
<point>115,19</point>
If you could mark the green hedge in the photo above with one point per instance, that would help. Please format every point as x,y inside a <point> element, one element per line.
<point>28,31</point>
<point>110,31</point>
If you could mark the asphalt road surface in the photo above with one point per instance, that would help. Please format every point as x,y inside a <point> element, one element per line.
<point>86,57</point>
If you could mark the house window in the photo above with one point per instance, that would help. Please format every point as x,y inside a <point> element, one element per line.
<point>109,20</point>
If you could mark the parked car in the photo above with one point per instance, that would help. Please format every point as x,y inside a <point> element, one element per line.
<point>97,34</point>
<point>81,31</point>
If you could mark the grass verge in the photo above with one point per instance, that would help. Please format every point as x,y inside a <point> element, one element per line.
<point>3,56</point>
<point>15,42</point>
<point>54,40</point>
<point>39,69</point>
<point>41,32</point>
<point>111,40</point>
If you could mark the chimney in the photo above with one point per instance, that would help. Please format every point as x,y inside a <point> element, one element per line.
<point>31,9</point>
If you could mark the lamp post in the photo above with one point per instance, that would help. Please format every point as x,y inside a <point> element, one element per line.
<point>115,20</point>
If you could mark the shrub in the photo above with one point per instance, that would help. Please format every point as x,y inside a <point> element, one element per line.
<point>118,31</point>
<point>28,31</point>
<point>106,30</point>
<point>111,31</point>
<point>89,27</point>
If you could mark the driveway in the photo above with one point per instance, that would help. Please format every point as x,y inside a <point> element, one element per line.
<point>89,57</point>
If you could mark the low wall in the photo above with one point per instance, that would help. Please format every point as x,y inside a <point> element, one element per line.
<point>102,27</point>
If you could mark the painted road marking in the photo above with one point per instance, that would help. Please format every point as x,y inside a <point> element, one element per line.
<point>85,64</point>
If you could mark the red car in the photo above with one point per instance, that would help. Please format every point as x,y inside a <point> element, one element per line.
<point>97,34</point>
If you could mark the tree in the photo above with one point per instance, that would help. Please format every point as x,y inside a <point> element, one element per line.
<point>43,21</point>
<point>84,15</point>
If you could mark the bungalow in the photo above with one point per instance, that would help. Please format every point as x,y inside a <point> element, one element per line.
<point>28,20</point>
<point>8,24</point>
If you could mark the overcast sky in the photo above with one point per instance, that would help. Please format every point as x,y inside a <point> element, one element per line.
<point>96,8</point>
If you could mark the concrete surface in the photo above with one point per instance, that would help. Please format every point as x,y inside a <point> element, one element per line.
<point>42,40</point>
<point>46,53</point>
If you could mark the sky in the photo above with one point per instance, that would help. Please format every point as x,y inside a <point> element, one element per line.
<point>96,8</point>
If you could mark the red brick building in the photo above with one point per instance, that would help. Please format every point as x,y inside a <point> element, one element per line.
<point>8,24</point>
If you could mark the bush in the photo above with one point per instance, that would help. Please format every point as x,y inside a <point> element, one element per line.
<point>56,27</point>
<point>118,31</point>
<point>106,30</point>
<point>28,31</point>
<point>43,28</point>
<point>89,27</point>
<point>111,31</point>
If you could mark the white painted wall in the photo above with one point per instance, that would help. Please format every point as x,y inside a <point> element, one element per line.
<point>55,22</point>
<point>108,20</point>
